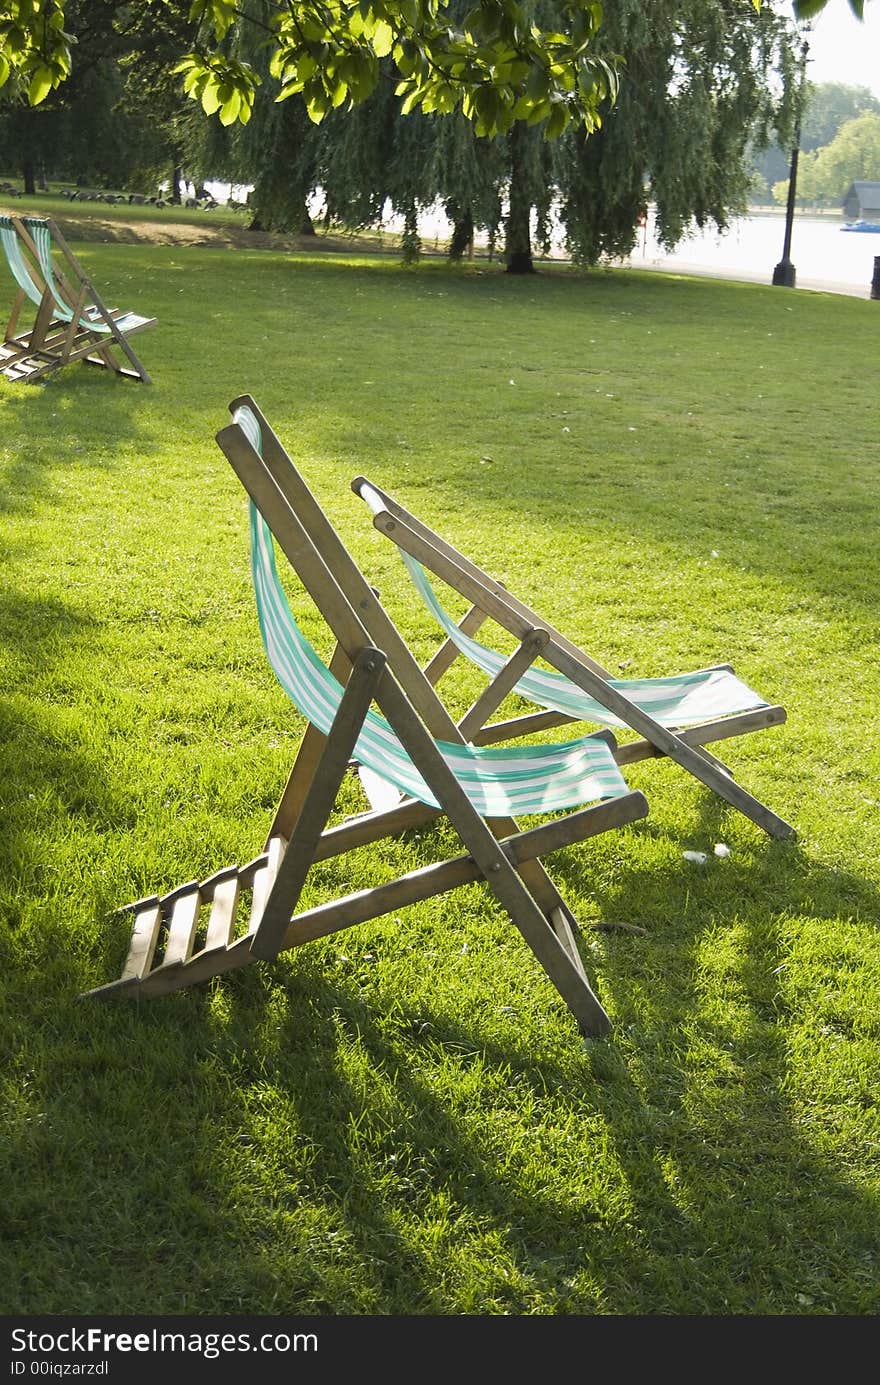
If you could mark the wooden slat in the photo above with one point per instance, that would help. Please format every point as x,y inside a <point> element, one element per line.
<point>202,967</point>
<point>448,652</point>
<point>505,680</point>
<point>18,303</point>
<point>561,924</point>
<point>632,751</point>
<point>144,934</point>
<point>182,928</point>
<point>516,727</point>
<point>307,759</point>
<point>372,827</point>
<point>366,677</point>
<point>264,879</point>
<point>222,915</point>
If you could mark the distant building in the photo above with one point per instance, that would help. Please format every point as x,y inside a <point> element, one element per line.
<point>862,202</point>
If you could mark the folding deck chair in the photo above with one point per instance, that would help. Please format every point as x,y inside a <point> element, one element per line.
<point>71,323</point>
<point>27,354</point>
<point>192,933</point>
<point>675,716</point>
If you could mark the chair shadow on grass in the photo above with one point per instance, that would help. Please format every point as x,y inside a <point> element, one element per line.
<point>684,1171</point>
<point>717,1204</point>
<point>366,1135</point>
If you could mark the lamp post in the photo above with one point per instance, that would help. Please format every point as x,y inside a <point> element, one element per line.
<point>784,272</point>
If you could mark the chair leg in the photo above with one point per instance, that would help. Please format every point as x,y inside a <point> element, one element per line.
<point>502,878</point>
<point>318,803</point>
<point>18,303</point>
<point>308,758</point>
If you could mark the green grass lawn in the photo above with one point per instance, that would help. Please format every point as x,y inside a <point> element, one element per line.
<point>403,1119</point>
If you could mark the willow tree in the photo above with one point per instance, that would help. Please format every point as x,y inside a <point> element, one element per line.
<point>704,84</point>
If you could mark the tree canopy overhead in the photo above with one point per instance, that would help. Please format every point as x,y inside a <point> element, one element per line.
<point>498,65</point>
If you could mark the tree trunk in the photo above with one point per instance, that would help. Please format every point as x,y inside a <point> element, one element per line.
<point>176,180</point>
<point>518,244</point>
<point>462,242</point>
<point>29,173</point>
<point>290,217</point>
<point>410,241</point>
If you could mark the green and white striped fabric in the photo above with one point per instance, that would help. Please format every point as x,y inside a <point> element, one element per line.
<point>500,782</point>
<point>42,239</point>
<point>680,700</point>
<point>15,260</point>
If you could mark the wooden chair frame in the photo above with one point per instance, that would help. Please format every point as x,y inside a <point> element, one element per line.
<point>197,920</point>
<point>491,599</point>
<point>53,341</point>
<point>46,330</point>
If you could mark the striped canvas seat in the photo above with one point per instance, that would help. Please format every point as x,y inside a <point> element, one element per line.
<point>90,317</point>
<point>680,700</point>
<point>14,258</point>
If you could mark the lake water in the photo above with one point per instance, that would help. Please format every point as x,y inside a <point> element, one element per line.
<point>824,255</point>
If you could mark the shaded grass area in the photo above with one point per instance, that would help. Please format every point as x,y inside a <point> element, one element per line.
<point>403,1119</point>
<point>223,226</point>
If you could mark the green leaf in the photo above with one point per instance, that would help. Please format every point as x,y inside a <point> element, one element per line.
<point>317,106</point>
<point>211,96</point>
<point>306,67</point>
<point>557,122</point>
<point>229,111</point>
<point>40,85</point>
<point>383,39</point>
<point>806,9</point>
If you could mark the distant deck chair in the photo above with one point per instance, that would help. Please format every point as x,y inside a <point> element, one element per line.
<point>675,716</point>
<point>192,933</point>
<point>71,322</point>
